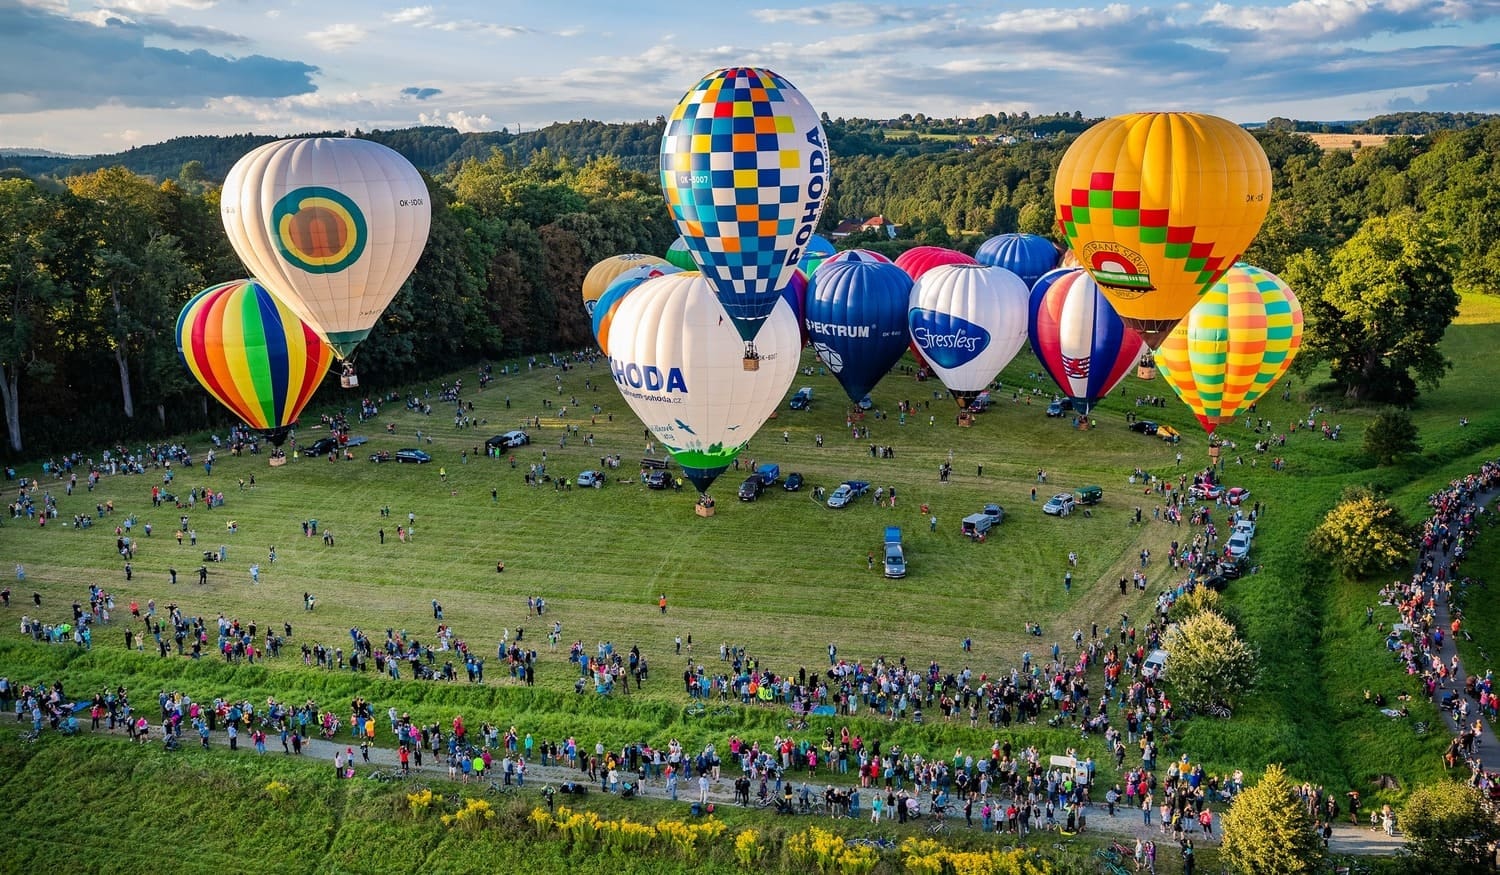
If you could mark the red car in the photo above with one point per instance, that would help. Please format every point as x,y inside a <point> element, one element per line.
<point>1237,495</point>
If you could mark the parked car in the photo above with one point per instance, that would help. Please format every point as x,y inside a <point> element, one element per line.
<point>793,482</point>
<point>1205,491</point>
<point>895,556</point>
<point>322,446</point>
<point>847,491</point>
<point>1239,545</point>
<point>981,402</point>
<point>596,479</point>
<point>1060,504</point>
<point>1089,494</point>
<point>658,479</point>
<point>412,454</point>
<point>1232,568</point>
<point>1246,525</point>
<point>996,511</point>
<point>509,440</point>
<point>1237,495</point>
<point>866,403</point>
<point>1144,426</point>
<point>802,400</point>
<point>751,488</point>
<point>1059,407</point>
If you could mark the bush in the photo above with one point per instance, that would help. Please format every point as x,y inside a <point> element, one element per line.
<point>1447,828</point>
<point>1391,436</point>
<point>1267,831</point>
<point>1363,535</point>
<point>1209,662</point>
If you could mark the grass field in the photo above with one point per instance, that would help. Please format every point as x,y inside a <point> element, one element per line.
<point>783,576</point>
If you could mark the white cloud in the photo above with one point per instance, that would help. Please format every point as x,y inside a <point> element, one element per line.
<point>415,15</point>
<point>462,121</point>
<point>158,7</point>
<point>337,37</point>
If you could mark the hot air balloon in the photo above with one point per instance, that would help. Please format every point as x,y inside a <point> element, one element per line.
<point>1158,205</point>
<point>675,357</point>
<point>856,255</point>
<point>332,226</point>
<point>920,259</point>
<point>968,321</point>
<point>1079,338</point>
<point>817,250</point>
<point>252,353</point>
<point>622,285</point>
<point>679,255</point>
<point>795,295</point>
<point>856,320</point>
<point>1025,255</point>
<point>602,274</point>
<point>744,170</point>
<point>1234,345</point>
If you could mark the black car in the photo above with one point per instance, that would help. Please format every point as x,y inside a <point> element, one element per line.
<point>793,482</point>
<point>658,480</point>
<point>1144,426</point>
<point>322,446</point>
<point>751,489</point>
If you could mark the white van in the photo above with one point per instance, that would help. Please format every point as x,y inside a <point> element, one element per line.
<point>1155,666</point>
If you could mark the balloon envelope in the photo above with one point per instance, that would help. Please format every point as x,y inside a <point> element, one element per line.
<point>920,259</point>
<point>856,255</point>
<point>622,285</point>
<point>968,321</point>
<point>1079,338</point>
<point>745,172</point>
<point>1157,206</point>
<point>679,255</point>
<point>252,353</point>
<point>333,226</point>
<point>677,361</point>
<point>1025,255</point>
<point>795,295</point>
<point>1234,345</point>
<point>817,250</point>
<point>597,280</point>
<point>856,320</point>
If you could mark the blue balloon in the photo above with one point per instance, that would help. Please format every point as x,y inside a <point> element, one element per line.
<point>818,248</point>
<point>856,320</point>
<point>1025,255</point>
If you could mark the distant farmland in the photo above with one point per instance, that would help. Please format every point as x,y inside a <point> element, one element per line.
<point>1331,142</point>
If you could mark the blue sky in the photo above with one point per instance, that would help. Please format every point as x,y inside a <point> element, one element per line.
<point>82,76</point>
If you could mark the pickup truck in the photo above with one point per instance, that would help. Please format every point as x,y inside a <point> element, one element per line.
<point>895,557</point>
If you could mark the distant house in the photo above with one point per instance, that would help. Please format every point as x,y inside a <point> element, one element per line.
<point>854,226</point>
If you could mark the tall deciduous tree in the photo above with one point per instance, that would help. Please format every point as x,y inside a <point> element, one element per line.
<point>1378,308</point>
<point>34,279</point>
<point>1267,831</point>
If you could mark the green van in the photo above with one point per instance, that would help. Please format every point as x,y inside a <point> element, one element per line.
<point>1089,494</point>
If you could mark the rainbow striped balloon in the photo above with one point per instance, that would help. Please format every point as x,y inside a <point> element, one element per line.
<point>1234,345</point>
<point>252,353</point>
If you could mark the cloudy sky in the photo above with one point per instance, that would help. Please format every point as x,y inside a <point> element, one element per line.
<point>81,76</point>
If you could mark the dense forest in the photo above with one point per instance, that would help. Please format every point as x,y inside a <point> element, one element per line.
<point>96,261</point>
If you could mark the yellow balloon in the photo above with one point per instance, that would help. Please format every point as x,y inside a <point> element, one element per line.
<point>1233,346</point>
<point>607,271</point>
<point>1157,206</point>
